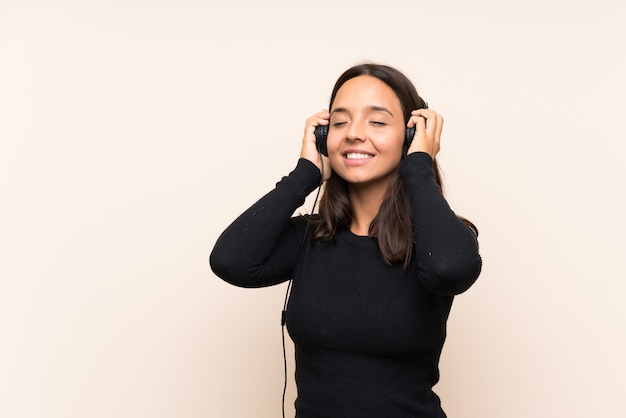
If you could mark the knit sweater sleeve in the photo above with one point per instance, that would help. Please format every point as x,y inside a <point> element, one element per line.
<point>446,249</point>
<point>261,247</point>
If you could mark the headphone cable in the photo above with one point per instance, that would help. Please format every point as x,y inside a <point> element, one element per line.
<point>289,284</point>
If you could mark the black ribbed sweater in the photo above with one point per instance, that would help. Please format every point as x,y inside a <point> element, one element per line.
<point>367,335</point>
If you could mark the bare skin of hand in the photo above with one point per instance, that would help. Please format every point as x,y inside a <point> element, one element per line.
<point>309,149</point>
<point>428,126</point>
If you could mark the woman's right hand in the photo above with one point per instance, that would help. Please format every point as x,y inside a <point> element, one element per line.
<point>309,148</point>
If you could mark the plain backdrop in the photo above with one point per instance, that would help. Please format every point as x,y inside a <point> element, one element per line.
<point>133,132</point>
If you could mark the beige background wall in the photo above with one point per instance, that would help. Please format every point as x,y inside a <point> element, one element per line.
<point>132,132</point>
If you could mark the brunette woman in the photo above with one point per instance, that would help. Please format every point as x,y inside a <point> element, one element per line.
<point>375,272</point>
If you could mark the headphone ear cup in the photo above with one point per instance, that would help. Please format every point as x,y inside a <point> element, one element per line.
<point>408,138</point>
<point>321,134</point>
<point>410,132</point>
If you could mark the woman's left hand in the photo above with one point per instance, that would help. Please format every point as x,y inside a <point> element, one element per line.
<point>428,125</point>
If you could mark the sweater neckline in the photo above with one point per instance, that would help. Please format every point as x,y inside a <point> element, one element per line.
<point>359,240</point>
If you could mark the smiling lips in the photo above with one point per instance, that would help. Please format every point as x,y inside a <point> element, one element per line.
<point>357,156</point>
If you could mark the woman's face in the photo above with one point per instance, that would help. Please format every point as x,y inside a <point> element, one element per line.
<point>366,133</point>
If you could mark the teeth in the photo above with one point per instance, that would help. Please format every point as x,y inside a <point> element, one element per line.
<point>357,156</point>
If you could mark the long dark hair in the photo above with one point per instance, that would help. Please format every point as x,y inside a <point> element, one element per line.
<point>392,226</point>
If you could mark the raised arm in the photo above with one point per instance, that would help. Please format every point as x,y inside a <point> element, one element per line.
<point>260,248</point>
<point>446,248</point>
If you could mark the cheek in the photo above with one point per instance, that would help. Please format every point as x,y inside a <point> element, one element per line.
<point>332,141</point>
<point>393,146</point>
<point>335,159</point>
<point>332,144</point>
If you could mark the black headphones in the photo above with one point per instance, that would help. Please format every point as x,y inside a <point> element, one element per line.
<point>321,135</point>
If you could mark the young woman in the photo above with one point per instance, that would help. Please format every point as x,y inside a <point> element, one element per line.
<point>375,272</point>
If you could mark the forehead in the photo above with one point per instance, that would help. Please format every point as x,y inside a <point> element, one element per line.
<point>365,92</point>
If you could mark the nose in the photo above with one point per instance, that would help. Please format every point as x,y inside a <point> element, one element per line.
<point>356,132</point>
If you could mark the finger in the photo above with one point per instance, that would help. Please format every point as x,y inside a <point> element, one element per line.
<point>439,127</point>
<point>428,125</point>
<point>420,124</point>
<point>422,115</point>
<point>426,114</point>
<point>321,118</point>
<point>434,123</point>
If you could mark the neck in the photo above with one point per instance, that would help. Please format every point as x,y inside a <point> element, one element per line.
<point>366,201</point>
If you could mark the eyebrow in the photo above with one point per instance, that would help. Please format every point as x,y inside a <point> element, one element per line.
<point>371,108</point>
